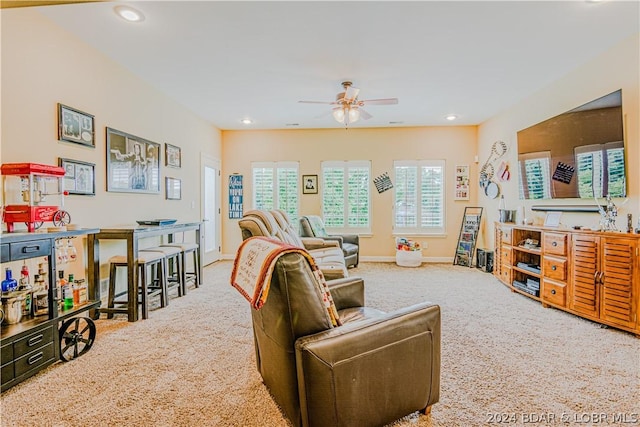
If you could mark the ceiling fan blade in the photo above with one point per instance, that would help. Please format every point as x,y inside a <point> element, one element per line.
<point>383,101</point>
<point>364,115</point>
<point>317,102</point>
<point>323,115</point>
<point>351,93</point>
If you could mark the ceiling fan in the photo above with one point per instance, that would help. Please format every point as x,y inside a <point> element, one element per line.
<point>348,108</point>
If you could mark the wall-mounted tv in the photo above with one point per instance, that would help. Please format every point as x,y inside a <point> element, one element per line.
<point>577,154</point>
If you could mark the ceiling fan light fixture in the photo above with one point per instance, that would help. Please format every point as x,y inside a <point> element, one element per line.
<point>129,14</point>
<point>338,114</point>
<point>354,115</point>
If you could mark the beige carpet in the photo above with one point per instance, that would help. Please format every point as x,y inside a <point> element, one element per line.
<point>192,363</point>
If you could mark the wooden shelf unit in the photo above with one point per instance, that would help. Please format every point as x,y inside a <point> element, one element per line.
<point>592,274</point>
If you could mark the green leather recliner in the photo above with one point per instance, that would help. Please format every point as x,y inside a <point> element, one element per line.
<point>373,369</point>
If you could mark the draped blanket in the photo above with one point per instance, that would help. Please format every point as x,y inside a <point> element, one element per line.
<point>253,267</point>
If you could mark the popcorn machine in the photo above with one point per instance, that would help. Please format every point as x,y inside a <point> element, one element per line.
<point>26,188</point>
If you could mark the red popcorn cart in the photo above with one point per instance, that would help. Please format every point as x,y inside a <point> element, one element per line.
<point>28,192</point>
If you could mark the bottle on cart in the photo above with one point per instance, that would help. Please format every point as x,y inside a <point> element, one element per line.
<point>9,284</point>
<point>67,293</point>
<point>60,283</point>
<point>24,275</point>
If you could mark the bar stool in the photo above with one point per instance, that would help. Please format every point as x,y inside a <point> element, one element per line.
<point>173,266</point>
<point>186,248</point>
<point>156,286</point>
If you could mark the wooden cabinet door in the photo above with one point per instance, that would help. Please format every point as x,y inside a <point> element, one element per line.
<point>584,275</point>
<point>618,262</point>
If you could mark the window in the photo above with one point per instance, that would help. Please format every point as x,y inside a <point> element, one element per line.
<point>601,170</point>
<point>346,203</point>
<point>535,176</point>
<point>419,206</point>
<point>275,186</point>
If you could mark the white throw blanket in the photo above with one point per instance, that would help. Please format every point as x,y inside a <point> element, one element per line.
<point>254,264</point>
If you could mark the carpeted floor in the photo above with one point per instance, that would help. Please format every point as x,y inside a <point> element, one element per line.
<point>505,360</point>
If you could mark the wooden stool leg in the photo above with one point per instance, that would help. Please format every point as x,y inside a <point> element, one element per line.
<point>196,266</point>
<point>183,272</point>
<point>163,281</point>
<point>144,299</point>
<point>112,288</point>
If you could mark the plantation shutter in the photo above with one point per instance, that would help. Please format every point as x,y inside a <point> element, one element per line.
<point>345,196</point>
<point>419,206</point>
<point>275,186</point>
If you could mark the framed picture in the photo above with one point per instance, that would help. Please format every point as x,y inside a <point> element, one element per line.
<point>75,126</point>
<point>462,183</point>
<point>309,184</point>
<point>79,177</point>
<point>552,219</point>
<point>132,163</point>
<point>173,188</point>
<point>172,156</point>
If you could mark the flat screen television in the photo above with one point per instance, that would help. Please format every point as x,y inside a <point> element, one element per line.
<point>577,154</point>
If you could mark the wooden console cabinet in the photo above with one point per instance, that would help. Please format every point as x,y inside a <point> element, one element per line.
<point>595,275</point>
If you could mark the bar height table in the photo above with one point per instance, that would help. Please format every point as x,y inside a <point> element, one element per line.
<point>132,234</point>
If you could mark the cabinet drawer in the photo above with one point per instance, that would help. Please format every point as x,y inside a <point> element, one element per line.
<point>555,243</point>
<point>34,359</point>
<point>554,293</point>
<point>4,252</point>
<point>7,373</point>
<point>32,341</point>
<point>506,234</point>
<point>505,274</point>
<point>506,256</point>
<point>31,249</point>
<point>7,353</point>
<point>554,268</point>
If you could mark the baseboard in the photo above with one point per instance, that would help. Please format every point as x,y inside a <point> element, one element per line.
<point>429,260</point>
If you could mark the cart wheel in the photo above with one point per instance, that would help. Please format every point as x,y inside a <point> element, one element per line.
<point>36,224</point>
<point>78,339</point>
<point>61,218</point>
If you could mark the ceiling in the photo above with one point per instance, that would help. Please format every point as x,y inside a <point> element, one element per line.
<point>227,61</point>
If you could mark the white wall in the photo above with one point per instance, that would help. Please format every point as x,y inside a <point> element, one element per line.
<point>43,65</point>
<point>618,68</point>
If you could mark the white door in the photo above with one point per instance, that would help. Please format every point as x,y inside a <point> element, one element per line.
<point>210,208</point>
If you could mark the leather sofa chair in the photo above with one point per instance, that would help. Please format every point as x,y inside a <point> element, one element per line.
<point>313,226</point>
<point>276,225</point>
<point>373,369</point>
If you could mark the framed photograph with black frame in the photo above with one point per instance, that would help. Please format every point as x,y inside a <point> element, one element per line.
<point>132,163</point>
<point>172,156</point>
<point>309,184</point>
<point>79,177</point>
<point>173,188</point>
<point>76,126</point>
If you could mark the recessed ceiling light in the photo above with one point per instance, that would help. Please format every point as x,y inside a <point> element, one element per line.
<point>396,123</point>
<point>129,14</point>
<point>293,124</point>
<point>451,117</point>
<point>246,121</point>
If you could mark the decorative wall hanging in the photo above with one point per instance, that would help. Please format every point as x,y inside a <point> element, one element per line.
<point>383,183</point>
<point>235,196</point>
<point>132,163</point>
<point>79,177</point>
<point>487,172</point>
<point>309,184</point>
<point>173,188</point>
<point>172,156</point>
<point>462,182</point>
<point>75,126</point>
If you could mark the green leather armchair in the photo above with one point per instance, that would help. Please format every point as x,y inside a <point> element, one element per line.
<point>313,226</point>
<point>373,369</point>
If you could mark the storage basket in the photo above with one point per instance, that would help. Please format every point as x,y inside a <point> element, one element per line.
<point>409,258</point>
